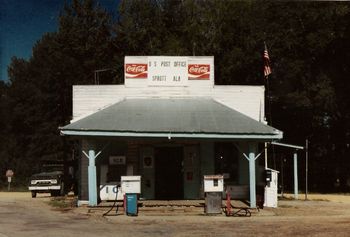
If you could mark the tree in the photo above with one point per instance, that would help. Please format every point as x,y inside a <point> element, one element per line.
<point>4,125</point>
<point>40,88</point>
<point>307,43</point>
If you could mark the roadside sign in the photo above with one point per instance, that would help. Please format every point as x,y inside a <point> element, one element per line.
<point>9,179</point>
<point>9,173</point>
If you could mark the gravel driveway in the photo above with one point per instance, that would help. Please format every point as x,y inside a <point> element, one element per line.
<point>20,215</point>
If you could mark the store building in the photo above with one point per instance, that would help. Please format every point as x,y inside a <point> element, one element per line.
<point>172,125</point>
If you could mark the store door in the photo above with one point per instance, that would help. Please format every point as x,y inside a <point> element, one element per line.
<point>168,173</point>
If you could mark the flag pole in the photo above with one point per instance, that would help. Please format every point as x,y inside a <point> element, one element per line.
<point>267,122</point>
<point>266,96</point>
<point>267,72</point>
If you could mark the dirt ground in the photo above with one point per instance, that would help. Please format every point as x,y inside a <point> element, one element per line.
<point>321,215</point>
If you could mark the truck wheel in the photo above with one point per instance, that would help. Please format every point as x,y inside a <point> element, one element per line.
<point>61,192</point>
<point>75,189</point>
<point>33,194</point>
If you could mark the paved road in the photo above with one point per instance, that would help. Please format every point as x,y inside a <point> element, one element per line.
<point>21,215</point>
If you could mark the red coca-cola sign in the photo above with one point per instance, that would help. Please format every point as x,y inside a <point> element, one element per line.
<point>136,70</point>
<point>198,71</point>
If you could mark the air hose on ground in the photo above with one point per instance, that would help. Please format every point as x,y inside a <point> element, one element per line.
<point>114,204</point>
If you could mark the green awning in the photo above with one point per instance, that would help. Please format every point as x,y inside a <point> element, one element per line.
<point>182,117</point>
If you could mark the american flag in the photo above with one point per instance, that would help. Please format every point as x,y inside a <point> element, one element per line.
<point>267,68</point>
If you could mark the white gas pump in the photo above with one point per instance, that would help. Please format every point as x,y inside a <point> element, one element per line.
<point>213,188</point>
<point>271,177</point>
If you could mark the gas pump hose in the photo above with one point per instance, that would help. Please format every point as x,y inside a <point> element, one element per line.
<point>114,204</point>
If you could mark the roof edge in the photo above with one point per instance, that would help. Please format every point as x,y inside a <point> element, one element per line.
<point>170,135</point>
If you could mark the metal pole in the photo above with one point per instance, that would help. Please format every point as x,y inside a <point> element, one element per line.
<point>265,155</point>
<point>306,166</point>
<point>282,177</point>
<point>9,179</point>
<point>295,175</point>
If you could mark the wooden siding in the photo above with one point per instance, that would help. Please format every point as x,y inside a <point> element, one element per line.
<point>83,168</point>
<point>89,99</point>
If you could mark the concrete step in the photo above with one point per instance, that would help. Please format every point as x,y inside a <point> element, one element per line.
<point>163,207</point>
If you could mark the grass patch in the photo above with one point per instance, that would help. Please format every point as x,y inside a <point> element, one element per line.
<point>64,204</point>
<point>318,199</point>
<point>309,199</point>
<point>14,188</point>
<point>59,203</point>
<point>288,198</point>
<point>286,206</point>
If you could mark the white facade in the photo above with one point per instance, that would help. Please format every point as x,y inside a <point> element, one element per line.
<point>177,77</point>
<point>249,100</point>
<point>89,99</point>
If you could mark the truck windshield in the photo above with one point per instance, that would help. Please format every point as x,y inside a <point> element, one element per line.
<point>52,167</point>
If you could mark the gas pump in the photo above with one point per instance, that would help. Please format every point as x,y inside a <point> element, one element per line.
<point>268,177</point>
<point>213,188</point>
<point>271,188</point>
<point>131,186</point>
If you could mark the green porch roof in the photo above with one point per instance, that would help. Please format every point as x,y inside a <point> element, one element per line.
<point>176,117</point>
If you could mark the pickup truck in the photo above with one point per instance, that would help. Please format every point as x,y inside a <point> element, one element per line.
<point>47,182</point>
<point>51,180</point>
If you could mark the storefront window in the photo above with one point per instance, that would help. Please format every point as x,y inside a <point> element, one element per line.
<point>226,162</point>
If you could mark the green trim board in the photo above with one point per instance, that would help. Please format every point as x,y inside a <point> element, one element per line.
<point>171,135</point>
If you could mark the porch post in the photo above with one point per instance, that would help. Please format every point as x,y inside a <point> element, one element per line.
<point>295,158</point>
<point>92,179</point>
<point>252,184</point>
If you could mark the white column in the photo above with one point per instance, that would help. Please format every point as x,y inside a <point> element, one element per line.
<point>252,181</point>
<point>92,179</point>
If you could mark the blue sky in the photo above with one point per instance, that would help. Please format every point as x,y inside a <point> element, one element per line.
<point>23,22</point>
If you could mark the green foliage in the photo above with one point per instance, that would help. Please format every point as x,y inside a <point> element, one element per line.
<point>308,43</point>
<point>40,94</point>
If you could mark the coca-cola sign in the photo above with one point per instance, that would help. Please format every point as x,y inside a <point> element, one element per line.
<point>198,71</point>
<point>136,70</point>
